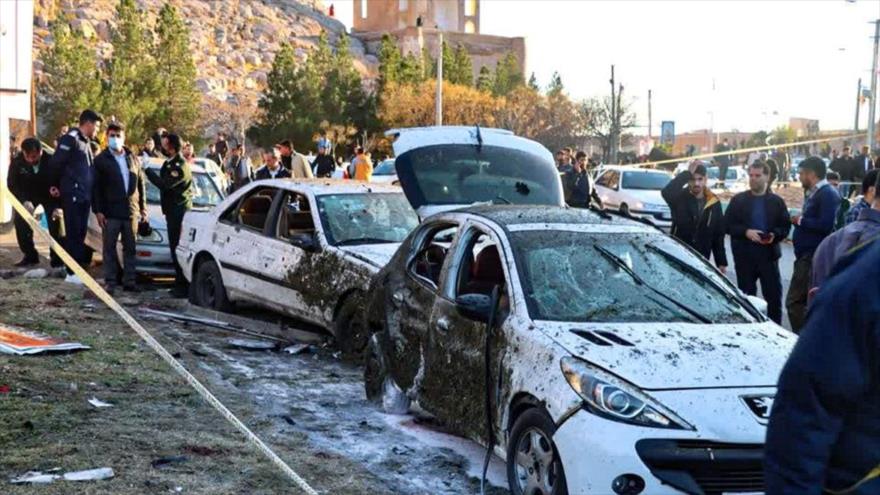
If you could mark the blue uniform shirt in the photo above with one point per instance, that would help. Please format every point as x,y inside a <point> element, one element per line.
<point>72,167</point>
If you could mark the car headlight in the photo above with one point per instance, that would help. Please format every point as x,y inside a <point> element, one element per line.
<point>155,237</point>
<point>612,398</point>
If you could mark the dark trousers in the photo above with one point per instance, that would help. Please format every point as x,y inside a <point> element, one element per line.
<point>796,299</point>
<point>25,236</point>
<point>76,223</point>
<point>116,228</point>
<point>722,172</point>
<point>749,270</point>
<point>174,221</point>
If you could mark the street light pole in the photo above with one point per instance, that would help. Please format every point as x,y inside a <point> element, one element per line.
<point>858,104</point>
<point>872,108</point>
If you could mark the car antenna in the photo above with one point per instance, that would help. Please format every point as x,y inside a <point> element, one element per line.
<point>479,140</point>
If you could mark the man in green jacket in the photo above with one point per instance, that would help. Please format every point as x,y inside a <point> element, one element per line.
<point>174,181</point>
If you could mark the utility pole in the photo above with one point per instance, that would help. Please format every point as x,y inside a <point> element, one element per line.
<point>858,104</point>
<point>871,110</point>
<point>649,114</point>
<point>612,140</point>
<point>438,100</point>
<point>617,120</point>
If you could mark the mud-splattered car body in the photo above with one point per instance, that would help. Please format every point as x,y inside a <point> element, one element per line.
<point>304,248</point>
<point>577,317</point>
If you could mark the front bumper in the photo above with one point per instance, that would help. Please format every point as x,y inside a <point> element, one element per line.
<point>722,456</point>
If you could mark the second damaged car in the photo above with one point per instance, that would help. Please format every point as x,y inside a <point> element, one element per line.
<point>306,249</point>
<point>599,355</point>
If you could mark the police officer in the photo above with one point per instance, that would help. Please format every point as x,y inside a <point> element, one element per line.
<point>72,169</point>
<point>174,181</point>
<point>29,180</point>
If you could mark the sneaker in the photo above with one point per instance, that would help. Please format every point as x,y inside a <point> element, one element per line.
<point>73,279</point>
<point>28,262</point>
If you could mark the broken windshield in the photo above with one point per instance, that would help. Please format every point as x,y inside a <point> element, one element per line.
<point>462,174</point>
<point>565,277</point>
<point>367,218</point>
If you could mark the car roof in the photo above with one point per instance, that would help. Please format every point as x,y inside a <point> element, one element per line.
<point>626,168</point>
<point>332,186</point>
<point>511,215</point>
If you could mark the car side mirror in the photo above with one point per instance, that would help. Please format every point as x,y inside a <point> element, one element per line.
<point>758,303</point>
<point>306,242</point>
<point>477,307</point>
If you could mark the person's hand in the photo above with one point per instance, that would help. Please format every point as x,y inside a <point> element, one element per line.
<point>102,220</point>
<point>796,220</point>
<point>722,269</point>
<point>754,235</point>
<point>54,192</point>
<point>693,166</point>
<point>144,216</point>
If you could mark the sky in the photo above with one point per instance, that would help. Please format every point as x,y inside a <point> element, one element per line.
<point>768,59</point>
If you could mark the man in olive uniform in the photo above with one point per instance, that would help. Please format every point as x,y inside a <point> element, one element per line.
<point>174,181</point>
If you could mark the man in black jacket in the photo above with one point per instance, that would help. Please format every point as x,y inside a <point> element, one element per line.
<point>578,184</point>
<point>843,165</point>
<point>697,219</point>
<point>29,180</point>
<point>757,221</point>
<point>272,168</point>
<point>119,202</point>
<point>324,164</point>
<point>862,164</point>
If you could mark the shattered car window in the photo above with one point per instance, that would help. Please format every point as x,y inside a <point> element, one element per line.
<point>368,218</point>
<point>465,174</point>
<point>565,278</point>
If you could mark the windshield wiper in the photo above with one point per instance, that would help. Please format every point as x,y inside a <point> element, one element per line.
<point>363,240</point>
<point>692,270</point>
<point>623,266</point>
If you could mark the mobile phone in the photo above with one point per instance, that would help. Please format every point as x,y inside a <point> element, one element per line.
<point>765,236</point>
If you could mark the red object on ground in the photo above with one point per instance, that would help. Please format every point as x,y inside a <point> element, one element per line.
<point>4,389</point>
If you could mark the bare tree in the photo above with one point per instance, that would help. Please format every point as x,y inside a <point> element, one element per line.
<point>600,123</point>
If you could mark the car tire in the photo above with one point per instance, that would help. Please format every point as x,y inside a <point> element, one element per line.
<point>533,463</point>
<point>348,327</point>
<point>624,209</point>
<point>374,370</point>
<point>208,290</point>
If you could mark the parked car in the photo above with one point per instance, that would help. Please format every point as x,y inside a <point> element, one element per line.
<point>619,361</point>
<point>635,191</point>
<point>304,248</point>
<point>385,172</point>
<point>153,251</point>
<point>214,170</point>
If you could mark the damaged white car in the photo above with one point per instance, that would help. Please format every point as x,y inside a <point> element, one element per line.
<point>303,248</point>
<point>597,354</point>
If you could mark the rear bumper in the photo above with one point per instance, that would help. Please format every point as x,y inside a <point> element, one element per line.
<point>154,259</point>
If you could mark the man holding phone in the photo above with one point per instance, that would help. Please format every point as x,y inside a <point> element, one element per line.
<point>757,221</point>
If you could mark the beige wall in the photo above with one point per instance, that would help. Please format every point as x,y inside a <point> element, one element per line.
<point>391,15</point>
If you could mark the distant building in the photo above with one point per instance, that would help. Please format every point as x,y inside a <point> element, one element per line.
<point>804,127</point>
<point>704,141</point>
<point>458,20</point>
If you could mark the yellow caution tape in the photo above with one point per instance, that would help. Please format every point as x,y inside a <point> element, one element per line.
<point>872,474</point>
<point>746,150</point>
<point>155,345</point>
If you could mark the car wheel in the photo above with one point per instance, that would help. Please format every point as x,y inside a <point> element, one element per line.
<point>533,463</point>
<point>348,327</point>
<point>374,370</point>
<point>624,209</point>
<point>209,289</point>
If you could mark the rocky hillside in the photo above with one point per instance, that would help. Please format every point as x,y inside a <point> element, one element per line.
<point>233,41</point>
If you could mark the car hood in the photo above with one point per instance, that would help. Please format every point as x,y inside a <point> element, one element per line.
<point>658,356</point>
<point>377,255</point>
<point>448,167</point>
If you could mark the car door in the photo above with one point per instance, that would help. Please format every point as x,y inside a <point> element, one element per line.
<point>455,361</point>
<point>244,248</point>
<point>413,298</point>
<point>607,188</point>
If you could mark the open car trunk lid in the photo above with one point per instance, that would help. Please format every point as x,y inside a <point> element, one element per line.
<point>448,167</point>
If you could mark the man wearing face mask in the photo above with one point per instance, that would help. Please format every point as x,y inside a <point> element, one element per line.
<point>29,180</point>
<point>119,202</point>
<point>72,171</point>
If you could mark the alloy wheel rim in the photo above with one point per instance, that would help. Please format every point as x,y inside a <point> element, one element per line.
<point>535,463</point>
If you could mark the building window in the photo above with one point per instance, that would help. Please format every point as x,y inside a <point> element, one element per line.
<point>403,5</point>
<point>470,8</point>
<point>363,9</point>
<point>470,27</point>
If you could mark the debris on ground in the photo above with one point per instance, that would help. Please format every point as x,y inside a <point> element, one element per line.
<point>168,460</point>
<point>99,403</point>
<point>36,273</point>
<point>394,401</point>
<point>252,345</point>
<point>49,476</point>
<point>18,341</point>
<point>297,349</point>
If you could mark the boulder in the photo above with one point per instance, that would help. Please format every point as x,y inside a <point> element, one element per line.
<point>103,30</point>
<point>252,58</point>
<point>83,26</point>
